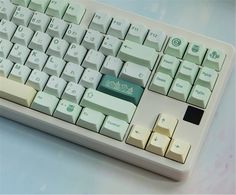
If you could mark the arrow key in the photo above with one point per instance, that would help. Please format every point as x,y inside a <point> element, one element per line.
<point>165,125</point>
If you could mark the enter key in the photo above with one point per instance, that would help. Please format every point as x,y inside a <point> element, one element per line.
<point>139,54</point>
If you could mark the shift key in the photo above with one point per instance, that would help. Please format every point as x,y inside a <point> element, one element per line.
<point>16,92</point>
<point>121,89</point>
<point>137,53</point>
<point>108,105</point>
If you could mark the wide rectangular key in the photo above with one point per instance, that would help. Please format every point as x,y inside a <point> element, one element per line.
<point>12,91</point>
<point>121,89</point>
<point>139,54</point>
<point>108,105</point>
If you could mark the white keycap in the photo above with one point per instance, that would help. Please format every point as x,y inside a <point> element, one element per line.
<point>100,22</point>
<point>155,39</point>
<point>73,92</point>
<point>75,53</point>
<point>111,66</point>
<point>7,29</point>
<point>91,119</point>
<point>24,3</point>
<point>74,34</point>
<point>135,73</point>
<point>176,46</point>
<point>58,47</point>
<point>207,78</point>
<point>19,73</point>
<point>199,96</point>
<point>137,33</point>
<point>214,59</point>
<point>54,66</point>
<point>90,78</point>
<point>187,71</point>
<point>39,22</point>
<point>67,111</point>
<point>37,80</point>
<point>22,16</point>
<point>110,45</point>
<point>6,9</point>
<point>74,13</point>
<point>45,103</point>
<point>5,47</point>
<point>161,83</point>
<point>119,28</point>
<point>57,27</point>
<point>5,67</point>
<point>39,5</point>
<point>168,65</point>
<point>180,89</point>
<point>36,60</point>
<point>19,54</point>
<point>57,8</point>
<point>92,39</point>
<point>108,104</point>
<point>22,36</point>
<point>114,128</point>
<point>40,41</point>
<point>72,72</point>
<point>55,86</point>
<point>93,60</point>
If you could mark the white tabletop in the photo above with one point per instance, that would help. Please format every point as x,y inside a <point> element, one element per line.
<point>35,162</point>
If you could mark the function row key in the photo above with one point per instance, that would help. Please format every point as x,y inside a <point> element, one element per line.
<point>70,12</point>
<point>195,53</point>
<point>6,9</point>
<point>122,29</point>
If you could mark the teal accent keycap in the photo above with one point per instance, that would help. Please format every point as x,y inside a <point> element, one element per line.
<point>120,89</point>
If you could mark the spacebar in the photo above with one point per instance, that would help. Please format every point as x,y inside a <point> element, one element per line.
<point>108,105</point>
<point>16,92</point>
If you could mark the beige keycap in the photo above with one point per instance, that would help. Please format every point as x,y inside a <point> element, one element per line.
<point>158,144</point>
<point>178,150</point>
<point>165,124</point>
<point>12,91</point>
<point>138,136</point>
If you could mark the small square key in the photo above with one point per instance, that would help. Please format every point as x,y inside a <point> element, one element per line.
<point>7,29</point>
<point>19,54</point>
<point>19,73</point>
<point>39,22</point>
<point>22,16</point>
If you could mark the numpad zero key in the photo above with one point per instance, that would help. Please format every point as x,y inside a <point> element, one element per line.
<point>132,88</point>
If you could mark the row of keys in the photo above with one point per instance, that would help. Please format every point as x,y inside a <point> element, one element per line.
<point>195,53</point>
<point>88,118</point>
<point>70,12</point>
<point>122,29</point>
<point>96,104</point>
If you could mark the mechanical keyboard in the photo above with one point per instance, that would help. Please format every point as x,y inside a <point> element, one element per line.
<point>136,89</point>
